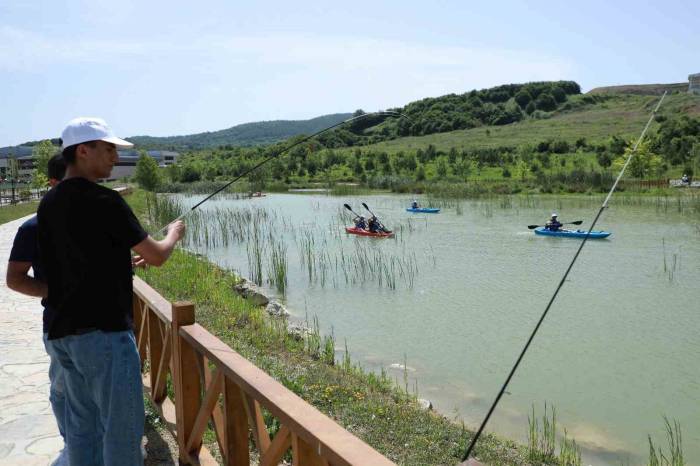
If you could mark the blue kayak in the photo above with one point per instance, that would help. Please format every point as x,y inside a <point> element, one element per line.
<point>424,210</point>
<point>572,233</point>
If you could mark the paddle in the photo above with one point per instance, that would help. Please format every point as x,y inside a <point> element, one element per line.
<point>577,222</point>
<point>380,223</point>
<point>347,206</point>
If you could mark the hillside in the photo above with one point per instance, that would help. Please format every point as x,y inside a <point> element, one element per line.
<point>641,89</point>
<point>622,115</point>
<point>247,134</point>
<point>576,146</point>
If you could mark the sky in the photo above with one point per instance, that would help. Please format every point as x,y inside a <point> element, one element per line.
<point>163,68</point>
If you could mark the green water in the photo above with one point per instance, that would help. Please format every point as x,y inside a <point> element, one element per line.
<point>619,349</point>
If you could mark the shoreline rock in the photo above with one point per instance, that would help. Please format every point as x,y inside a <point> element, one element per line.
<point>251,292</point>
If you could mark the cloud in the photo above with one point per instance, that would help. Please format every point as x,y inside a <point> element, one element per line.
<point>23,50</point>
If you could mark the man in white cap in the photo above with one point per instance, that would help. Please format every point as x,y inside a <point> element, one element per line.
<point>85,235</point>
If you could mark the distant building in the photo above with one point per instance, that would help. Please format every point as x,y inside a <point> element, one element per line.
<point>128,158</point>
<point>124,168</point>
<point>694,83</point>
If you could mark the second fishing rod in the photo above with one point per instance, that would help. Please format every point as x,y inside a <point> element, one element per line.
<point>470,448</point>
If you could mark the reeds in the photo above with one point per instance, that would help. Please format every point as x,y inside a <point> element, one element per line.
<point>541,441</point>
<point>675,447</point>
<point>278,264</point>
<point>672,265</point>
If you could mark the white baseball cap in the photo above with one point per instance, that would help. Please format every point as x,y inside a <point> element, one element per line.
<point>85,129</point>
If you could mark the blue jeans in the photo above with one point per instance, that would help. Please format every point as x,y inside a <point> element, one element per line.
<point>104,398</point>
<point>57,395</point>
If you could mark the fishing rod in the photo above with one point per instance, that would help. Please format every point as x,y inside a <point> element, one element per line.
<point>277,154</point>
<point>561,283</point>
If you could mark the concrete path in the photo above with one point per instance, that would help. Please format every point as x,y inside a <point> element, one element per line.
<point>28,432</point>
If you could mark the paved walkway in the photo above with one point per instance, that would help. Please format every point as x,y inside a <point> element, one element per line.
<point>28,432</point>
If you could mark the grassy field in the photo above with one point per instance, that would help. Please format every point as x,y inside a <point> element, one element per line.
<point>9,213</point>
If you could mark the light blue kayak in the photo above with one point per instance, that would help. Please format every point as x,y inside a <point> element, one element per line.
<point>572,233</point>
<point>424,210</point>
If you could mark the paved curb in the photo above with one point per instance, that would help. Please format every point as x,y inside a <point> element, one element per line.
<point>28,432</point>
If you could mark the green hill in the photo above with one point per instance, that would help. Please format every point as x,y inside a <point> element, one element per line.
<point>641,89</point>
<point>248,134</point>
<point>622,115</point>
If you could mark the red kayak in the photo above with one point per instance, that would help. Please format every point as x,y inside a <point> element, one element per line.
<point>361,232</point>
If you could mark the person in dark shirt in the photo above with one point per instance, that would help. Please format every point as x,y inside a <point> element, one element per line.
<point>23,257</point>
<point>85,236</point>
<point>375,226</point>
<point>360,223</point>
<point>553,224</point>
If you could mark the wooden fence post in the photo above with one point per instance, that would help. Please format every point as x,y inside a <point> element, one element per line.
<point>185,379</point>
<point>236,425</point>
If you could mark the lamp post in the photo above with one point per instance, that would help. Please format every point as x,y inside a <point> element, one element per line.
<point>13,175</point>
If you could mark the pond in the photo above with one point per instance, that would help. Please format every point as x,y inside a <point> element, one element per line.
<point>454,296</point>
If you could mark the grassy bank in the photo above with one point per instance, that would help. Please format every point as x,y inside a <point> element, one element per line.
<point>9,213</point>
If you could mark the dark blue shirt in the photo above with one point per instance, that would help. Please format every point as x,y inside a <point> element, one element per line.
<point>24,249</point>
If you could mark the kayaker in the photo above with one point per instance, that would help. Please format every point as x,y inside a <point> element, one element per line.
<point>360,223</point>
<point>553,224</point>
<point>685,179</point>
<point>374,225</point>
<point>415,205</point>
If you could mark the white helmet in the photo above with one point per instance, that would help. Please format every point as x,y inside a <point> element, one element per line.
<point>554,214</point>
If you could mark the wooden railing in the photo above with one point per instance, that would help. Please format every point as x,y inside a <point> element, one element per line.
<point>211,383</point>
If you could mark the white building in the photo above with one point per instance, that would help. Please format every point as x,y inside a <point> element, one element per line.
<point>124,168</point>
<point>128,158</point>
<point>694,83</point>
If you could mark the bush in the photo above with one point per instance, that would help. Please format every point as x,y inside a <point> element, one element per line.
<point>546,102</point>
<point>560,147</point>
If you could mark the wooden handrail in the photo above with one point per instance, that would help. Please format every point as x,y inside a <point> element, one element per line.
<point>231,397</point>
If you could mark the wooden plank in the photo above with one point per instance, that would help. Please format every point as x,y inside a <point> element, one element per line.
<point>236,426</point>
<point>139,327</point>
<point>324,436</point>
<point>217,417</point>
<point>152,299</point>
<point>185,379</point>
<point>159,387</point>
<point>210,399</point>
<point>257,424</point>
<point>304,455</point>
<point>279,446</point>
<point>143,333</point>
<point>155,349</point>
<point>166,410</point>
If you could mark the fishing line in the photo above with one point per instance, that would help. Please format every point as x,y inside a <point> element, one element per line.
<point>561,283</point>
<point>301,141</point>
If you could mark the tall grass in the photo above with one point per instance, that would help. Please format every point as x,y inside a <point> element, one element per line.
<point>675,447</point>
<point>542,441</point>
<point>672,265</point>
<point>278,264</point>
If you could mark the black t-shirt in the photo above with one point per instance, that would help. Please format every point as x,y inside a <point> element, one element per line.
<point>86,232</point>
